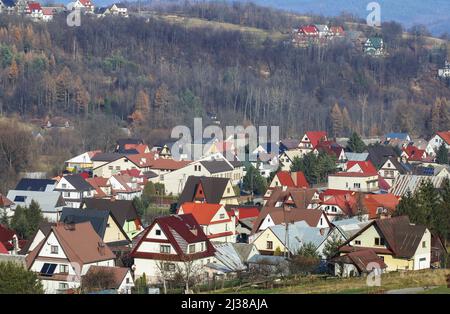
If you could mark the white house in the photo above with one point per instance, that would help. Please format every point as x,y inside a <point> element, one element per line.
<point>171,241</point>
<point>66,254</point>
<point>353,181</point>
<point>436,141</point>
<point>74,189</point>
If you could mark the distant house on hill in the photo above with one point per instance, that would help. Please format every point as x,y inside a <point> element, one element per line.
<point>374,46</point>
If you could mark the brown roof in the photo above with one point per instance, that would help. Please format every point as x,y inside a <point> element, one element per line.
<point>79,242</point>
<point>301,197</point>
<point>361,259</point>
<point>290,215</point>
<point>118,273</point>
<point>402,237</point>
<point>4,201</point>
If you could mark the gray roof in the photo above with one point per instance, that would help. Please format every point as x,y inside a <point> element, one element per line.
<point>349,227</point>
<point>216,166</point>
<point>97,218</point>
<point>356,156</point>
<point>107,157</point>
<point>227,255</point>
<point>244,250</point>
<point>300,233</point>
<point>50,201</point>
<point>213,189</point>
<point>409,182</point>
<point>78,182</point>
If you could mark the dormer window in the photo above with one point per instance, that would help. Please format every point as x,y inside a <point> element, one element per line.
<point>191,248</point>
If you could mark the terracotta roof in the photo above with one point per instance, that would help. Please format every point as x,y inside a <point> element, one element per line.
<point>168,164</point>
<point>247,212</point>
<point>97,183</point>
<point>366,167</point>
<point>361,259</point>
<point>297,197</point>
<point>140,148</point>
<point>308,29</point>
<point>348,249</point>
<point>445,135</point>
<point>6,237</point>
<point>352,174</point>
<point>3,249</point>
<point>414,153</point>
<point>292,179</point>
<point>347,203</point>
<point>385,201</point>
<point>5,202</point>
<point>330,147</point>
<point>179,230</point>
<point>118,273</point>
<point>202,212</point>
<point>34,6</point>
<point>382,184</point>
<point>79,242</point>
<point>127,183</point>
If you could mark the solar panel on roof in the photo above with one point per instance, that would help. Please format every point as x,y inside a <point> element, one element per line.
<point>19,198</point>
<point>48,269</point>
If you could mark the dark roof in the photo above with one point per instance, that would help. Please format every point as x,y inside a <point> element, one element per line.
<point>122,210</point>
<point>213,189</point>
<point>179,230</point>
<point>216,166</point>
<point>401,236</point>
<point>236,163</point>
<point>124,151</point>
<point>9,3</point>
<point>97,218</point>
<point>379,154</point>
<point>26,184</point>
<point>78,182</point>
<point>106,157</point>
<point>361,259</point>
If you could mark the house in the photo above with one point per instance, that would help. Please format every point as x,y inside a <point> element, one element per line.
<point>34,10</point>
<point>391,169</point>
<point>445,71</point>
<point>360,167</point>
<point>50,202</point>
<point>74,189</point>
<point>102,188</point>
<point>353,181</point>
<point>119,9</point>
<point>413,154</point>
<point>337,31</point>
<point>287,158</point>
<point>122,282</point>
<point>42,232</point>
<point>8,240</point>
<point>340,205</point>
<point>308,31</point>
<point>401,244</point>
<point>310,141</point>
<point>81,162</point>
<point>83,5</point>
<point>272,216</point>
<point>287,179</point>
<point>123,144</point>
<point>399,136</point>
<point>169,242</point>
<point>217,223</point>
<point>47,14</point>
<point>374,46</point>
<point>123,211</point>
<point>378,154</point>
<point>293,197</point>
<point>5,205</point>
<point>231,258</point>
<point>103,222</point>
<point>440,138</point>
<point>333,149</point>
<point>378,206</point>
<point>208,190</point>
<point>405,183</point>
<point>66,254</point>
<point>323,30</point>
<point>37,185</point>
<point>7,6</point>
<point>357,263</point>
<point>346,228</point>
<point>349,156</point>
<point>290,238</point>
<point>108,164</point>
<point>125,187</point>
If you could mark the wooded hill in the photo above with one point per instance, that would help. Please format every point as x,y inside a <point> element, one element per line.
<point>157,72</point>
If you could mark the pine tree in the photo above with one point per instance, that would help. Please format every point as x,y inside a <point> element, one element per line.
<point>337,120</point>
<point>442,155</point>
<point>355,143</point>
<point>435,119</point>
<point>347,121</point>
<point>142,108</point>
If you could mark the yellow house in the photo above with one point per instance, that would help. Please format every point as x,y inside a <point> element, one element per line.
<point>400,244</point>
<point>83,161</point>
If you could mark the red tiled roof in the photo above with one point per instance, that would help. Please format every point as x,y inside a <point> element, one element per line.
<point>352,174</point>
<point>330,147</point>
<point>247,212</point>
<point>374,201</point>
<point>316,136</point>
<point>308,29</point>
<point>6,237</point>
<point>132,173</point>
<point>366,167</point>
<point>292,179</point>
<point>86,2</point>
<point>382,184</point>
<point>168,164</point>
<point>347,203</point>
<point>173,227</point>
<point>202,212</point>
<point>141,148</point>
<point>414,153</point>
<point>445,136</point>
<point>34,6</point>
<point>3,249</point>
<point>348,249</point>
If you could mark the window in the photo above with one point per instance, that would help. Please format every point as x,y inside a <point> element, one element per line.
<point>64,185</point>
<point>334,209</point>
<point>54,249</point>
<point>357,242</point>
<point>228,190</point>
<point>191,248</point>
<point>269,245</point>
<point>164,249</point>
<point>127,280</point>
<point>357,185</point>
<point>202,247</point>
<point>321,221</point>
<point>158,232</point>
<point>424,244</point>
<point>222,216</point>
<point>63,286</point>
<point>117,167</point>
<point>110,167</point>
<point>63,269</point>
<point>379,241</point>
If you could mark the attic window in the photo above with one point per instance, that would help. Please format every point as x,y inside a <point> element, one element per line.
<point>379,241</point>
<point>158,232</point>
<point>191,248</point>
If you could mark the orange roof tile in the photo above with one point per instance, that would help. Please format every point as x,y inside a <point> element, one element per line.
<point>202,212</point>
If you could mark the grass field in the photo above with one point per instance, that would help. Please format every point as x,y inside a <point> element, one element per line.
<point>390,281</point>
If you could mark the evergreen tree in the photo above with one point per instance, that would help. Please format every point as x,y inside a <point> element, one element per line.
<point>442,155</point>
<point>355,143</point>
<point>337,120</point>
<point>331,247</point>
<point>254,182</point>
<point>15,279</point>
